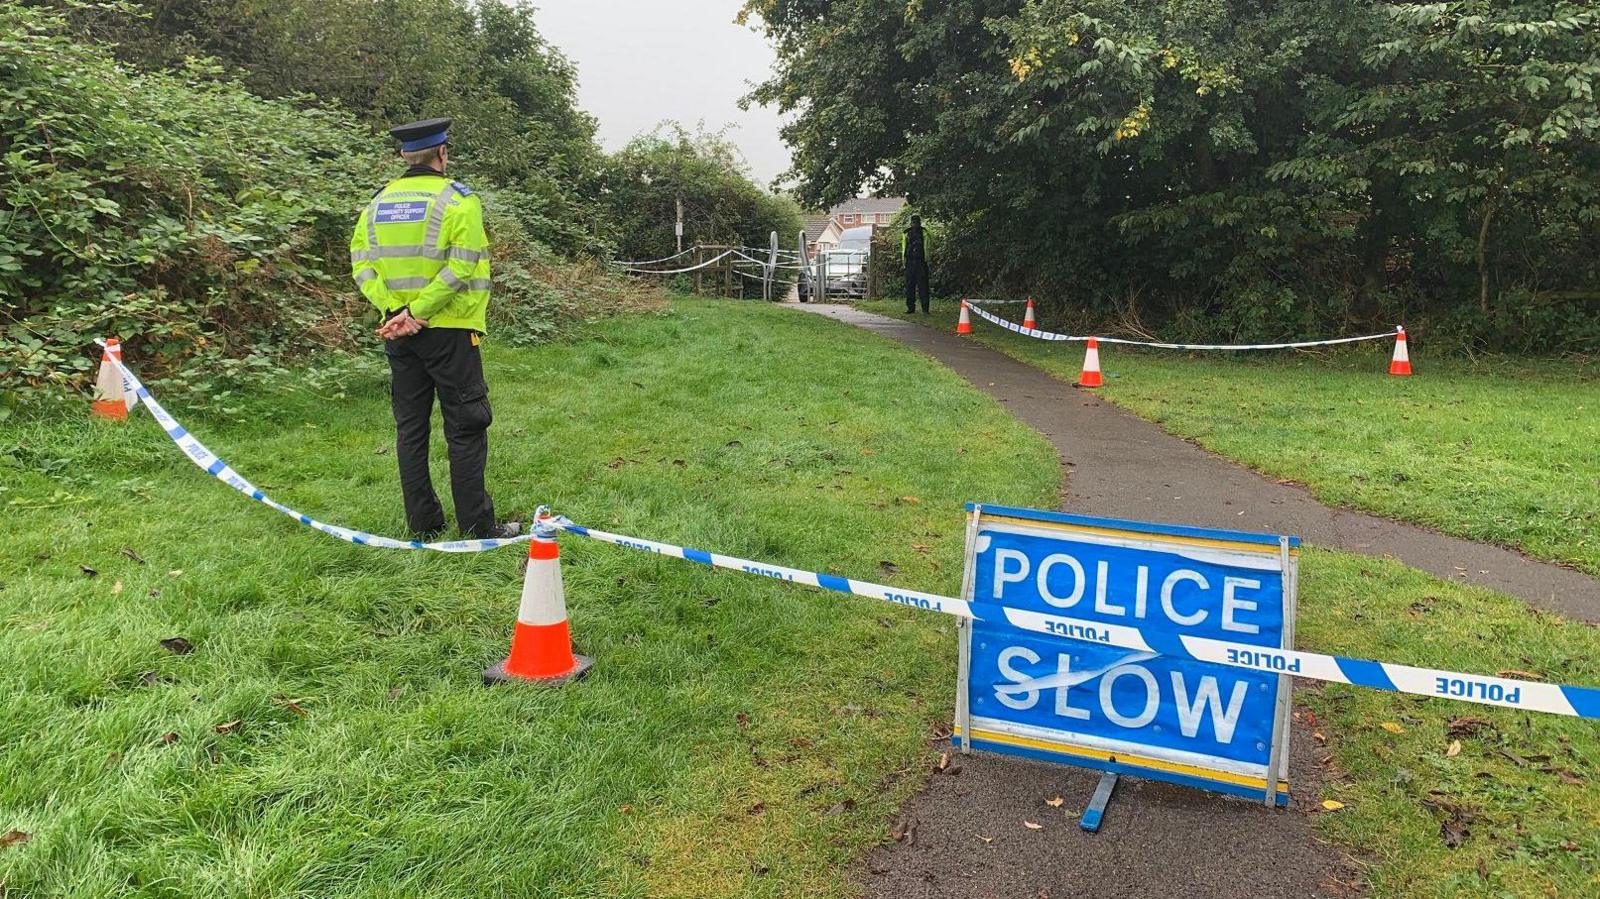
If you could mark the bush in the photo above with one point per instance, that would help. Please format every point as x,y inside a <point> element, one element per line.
<point>194,220</point>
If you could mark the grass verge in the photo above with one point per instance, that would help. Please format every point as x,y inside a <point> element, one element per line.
<point>1437,799</point>
<point>328,736</point>
<point>1501,450</point>
<point>738,738</point>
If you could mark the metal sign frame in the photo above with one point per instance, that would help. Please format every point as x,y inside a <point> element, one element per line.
<point>1272,791</point>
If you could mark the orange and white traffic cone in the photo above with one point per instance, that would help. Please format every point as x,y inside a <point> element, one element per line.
<point>1091,366</point>
<point>964,323</point>
<point>1028,321</point>
<point>1400,365</point>
<point>541,645</point>
<point>109,400</point>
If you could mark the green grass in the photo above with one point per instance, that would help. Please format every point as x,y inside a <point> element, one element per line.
<point>1500,450</point>
<point>738,737</point>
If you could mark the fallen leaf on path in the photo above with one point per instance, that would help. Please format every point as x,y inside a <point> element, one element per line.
<point>1453,750</point>
<point>290,704</point>
<point>1524,675</point>
<point>888,568</point>
<point>756,809</point>
<point>985,839</point>
<point>1317,735</point>
<point>116,588</point>
<point>176,572</point>
<point>133,555</point>
<point>921,548</point>
<point>1569,846</point>
<point>1032,826</point>
<point>88,572</point>
<point>1453,831</point>
<point>1392,727</point>
<point>177,645</point>
<point>169,738</point>
<point>1567,777</point>
<point>911,500</point>
<point>1332,805</point>
<point>742,719</point>
<point>14,838</point>
<point>1054,803</point>
<point>228,727</point>
<point>944,761</point>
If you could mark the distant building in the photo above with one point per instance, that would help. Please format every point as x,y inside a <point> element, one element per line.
<point>870,211</point>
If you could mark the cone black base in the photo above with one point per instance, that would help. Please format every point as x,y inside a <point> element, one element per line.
<point>496,674</point>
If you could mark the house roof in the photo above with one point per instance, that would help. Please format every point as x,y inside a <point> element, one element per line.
<point>869,206</point>
<point>815,225</point>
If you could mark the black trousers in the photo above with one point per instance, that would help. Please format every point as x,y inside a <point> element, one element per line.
<point>445,361</point>
<point>916,285</point>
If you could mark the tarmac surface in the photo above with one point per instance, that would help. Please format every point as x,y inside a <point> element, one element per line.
<point>1121,466</point>
<point>965,836</point>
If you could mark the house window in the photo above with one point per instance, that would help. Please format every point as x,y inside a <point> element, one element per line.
<point>850,218</point>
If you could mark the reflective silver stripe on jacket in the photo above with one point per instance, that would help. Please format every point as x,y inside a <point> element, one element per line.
<point>430,238</point>
<point>414,250</point>
<point>365,275</point>
<point>447,276</point>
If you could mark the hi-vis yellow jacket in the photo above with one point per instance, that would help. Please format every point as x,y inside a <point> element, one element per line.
<point>420,243</point>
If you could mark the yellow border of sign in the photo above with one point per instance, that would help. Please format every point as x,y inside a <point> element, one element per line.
<point>1125,758</point>
<point>1203,542</point>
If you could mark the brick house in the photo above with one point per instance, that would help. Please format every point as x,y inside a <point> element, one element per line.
<point>872,211</point>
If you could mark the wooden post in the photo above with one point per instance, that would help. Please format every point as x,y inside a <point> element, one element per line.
<point>698,271</point>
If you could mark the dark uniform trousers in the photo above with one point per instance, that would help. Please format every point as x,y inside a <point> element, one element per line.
<point>916,283</point>
<point>444,361</point>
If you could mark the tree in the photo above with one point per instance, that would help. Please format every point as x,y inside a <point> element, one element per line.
<point>721,204</point>
<point>1219,167</point>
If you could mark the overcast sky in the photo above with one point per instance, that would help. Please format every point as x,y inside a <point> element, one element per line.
<point>642,61</point>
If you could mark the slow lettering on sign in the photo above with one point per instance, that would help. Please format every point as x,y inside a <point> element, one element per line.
<point>1154,715</point>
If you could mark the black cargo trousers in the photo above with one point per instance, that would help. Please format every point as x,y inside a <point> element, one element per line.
<point>446,361</point>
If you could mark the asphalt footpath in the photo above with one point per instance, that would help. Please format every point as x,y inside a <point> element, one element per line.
<point>987,827</point>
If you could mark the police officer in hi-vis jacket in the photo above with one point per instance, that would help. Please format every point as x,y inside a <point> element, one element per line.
<point>419,253</point>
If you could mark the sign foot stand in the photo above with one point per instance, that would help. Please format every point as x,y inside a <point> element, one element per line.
<point>1098,803</point>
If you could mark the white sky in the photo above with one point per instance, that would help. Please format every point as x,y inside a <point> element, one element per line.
<point>643,61</point>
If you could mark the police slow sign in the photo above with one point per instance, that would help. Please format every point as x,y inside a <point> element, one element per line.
<point>1153,715</point>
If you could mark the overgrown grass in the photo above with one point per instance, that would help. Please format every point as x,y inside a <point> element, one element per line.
<point>737,736</point>
<point>1500,450</point>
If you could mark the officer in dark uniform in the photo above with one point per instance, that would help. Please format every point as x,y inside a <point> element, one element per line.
<point>914,253</point>
<point>420,254</point>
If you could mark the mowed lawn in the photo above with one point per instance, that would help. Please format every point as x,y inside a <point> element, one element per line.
<point>1436,798</point>
<point>328,734</point>
<point>1499,450</point>
<point>738,737</point>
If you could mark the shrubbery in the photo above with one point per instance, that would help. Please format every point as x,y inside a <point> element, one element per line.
<point>1225,168</point>
<point>206,226</point>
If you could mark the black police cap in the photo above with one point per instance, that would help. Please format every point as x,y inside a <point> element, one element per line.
<point>421,135</point>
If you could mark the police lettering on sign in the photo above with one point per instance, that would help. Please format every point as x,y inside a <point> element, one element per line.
<point>1158,716</point>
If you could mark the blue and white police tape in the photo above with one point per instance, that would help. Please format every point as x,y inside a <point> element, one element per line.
<point>678,271</point>
<point>1556,699</point>
<point>208,462</point>
<point>1051,335</point>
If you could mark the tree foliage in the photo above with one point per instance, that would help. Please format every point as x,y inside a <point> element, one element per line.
<point>1224,167</point>
<point>482,62</point>
<point>205,225</point>
<point>721,204</point>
